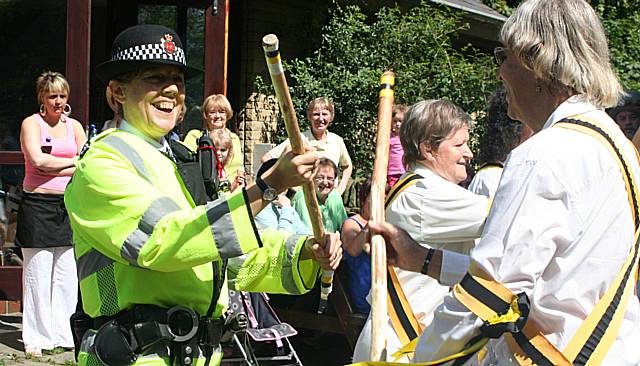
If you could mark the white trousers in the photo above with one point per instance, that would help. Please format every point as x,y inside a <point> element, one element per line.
<point>50,294</point>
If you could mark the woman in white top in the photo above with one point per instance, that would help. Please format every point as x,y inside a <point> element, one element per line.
<point>561,226</point>
<point>320,114</point>
<point>434,210</point>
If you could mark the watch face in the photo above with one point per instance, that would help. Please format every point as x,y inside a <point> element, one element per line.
<point>269,194</point>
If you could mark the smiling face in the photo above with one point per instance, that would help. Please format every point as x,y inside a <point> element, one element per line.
<point>153,100</point>
<point>216,119</point>
<point>325,180</point>
<point>320,118</point>
<point>450,159</point>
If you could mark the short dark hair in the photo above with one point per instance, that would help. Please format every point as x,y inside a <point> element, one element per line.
<point>501,133</point>
<point>328,162</point>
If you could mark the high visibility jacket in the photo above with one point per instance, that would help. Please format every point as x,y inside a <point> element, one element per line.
<point>139,239</point>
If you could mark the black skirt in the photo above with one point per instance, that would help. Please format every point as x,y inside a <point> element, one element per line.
<point>43,222</point>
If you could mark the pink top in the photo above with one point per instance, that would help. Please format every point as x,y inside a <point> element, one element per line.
<point>396,153</point>
<point>65,147</point>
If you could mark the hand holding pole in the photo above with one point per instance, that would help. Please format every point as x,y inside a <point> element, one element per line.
<point>270,45</point>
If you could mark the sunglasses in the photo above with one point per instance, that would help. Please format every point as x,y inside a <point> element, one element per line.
<point>500,54</point>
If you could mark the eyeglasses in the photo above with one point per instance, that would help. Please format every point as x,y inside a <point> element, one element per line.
<point>320,178</point>
<point>500,54</point>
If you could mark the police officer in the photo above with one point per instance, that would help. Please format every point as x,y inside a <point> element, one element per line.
<point>151,264</point>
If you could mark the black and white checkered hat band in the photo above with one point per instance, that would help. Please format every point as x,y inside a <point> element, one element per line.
<point>150,52</point>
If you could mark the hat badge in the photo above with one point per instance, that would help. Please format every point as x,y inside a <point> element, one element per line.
<point>167,44</point>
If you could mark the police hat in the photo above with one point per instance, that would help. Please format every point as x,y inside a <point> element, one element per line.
<point>144,46</point>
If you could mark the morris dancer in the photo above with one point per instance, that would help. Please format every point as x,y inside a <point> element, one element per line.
<point>428,203</point>
<point>552,279</point>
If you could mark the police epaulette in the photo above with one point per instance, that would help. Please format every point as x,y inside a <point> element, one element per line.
<point>99,136</point>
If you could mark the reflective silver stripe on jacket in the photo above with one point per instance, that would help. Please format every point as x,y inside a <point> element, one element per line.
<point>130,153</point>
<point>222,229</point>
<point>286,274</point>
<point>91,262</point>
<point>135,241</point>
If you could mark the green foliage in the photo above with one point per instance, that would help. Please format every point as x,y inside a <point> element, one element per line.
<point>416,45</point>
<point>624,45</point>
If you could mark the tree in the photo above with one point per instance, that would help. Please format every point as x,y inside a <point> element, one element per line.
<point>416,45</point>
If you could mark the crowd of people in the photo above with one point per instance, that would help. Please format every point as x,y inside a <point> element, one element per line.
<point>521,265</point>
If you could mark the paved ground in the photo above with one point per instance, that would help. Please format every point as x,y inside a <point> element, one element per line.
<point>12,349</point>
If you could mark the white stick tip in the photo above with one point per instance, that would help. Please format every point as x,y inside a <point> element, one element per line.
<point>270,42</point>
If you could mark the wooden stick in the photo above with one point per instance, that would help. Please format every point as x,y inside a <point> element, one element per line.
<point>379,314</point>
<point>272,54</point>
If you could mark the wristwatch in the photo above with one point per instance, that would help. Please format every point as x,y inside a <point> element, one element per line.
<point>268,194</point>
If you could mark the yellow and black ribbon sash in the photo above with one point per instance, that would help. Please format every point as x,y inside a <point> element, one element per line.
<point>599,330</point>
<point>497,305</point>
<point>404,322</point>
<point>403,183</point>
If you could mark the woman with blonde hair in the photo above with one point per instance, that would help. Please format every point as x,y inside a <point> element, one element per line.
<point>552,279</point>
<point>223,142</point>
<point>320,113</point>
<point>50,141</point>
<point>216,111</point>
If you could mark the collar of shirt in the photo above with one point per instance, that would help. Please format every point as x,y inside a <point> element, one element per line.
<point>577,104</point>
<point>425,172</point>
<point>162,145</point>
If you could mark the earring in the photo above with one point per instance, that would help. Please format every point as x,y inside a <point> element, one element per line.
<point>43,111</point>
<point>66,110</point>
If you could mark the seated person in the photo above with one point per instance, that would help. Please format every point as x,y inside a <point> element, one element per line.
<point>279,214</point>
<point>358,262</point>
<point>329,200</point>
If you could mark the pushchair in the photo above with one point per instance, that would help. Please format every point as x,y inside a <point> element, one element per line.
<point>264,340</point>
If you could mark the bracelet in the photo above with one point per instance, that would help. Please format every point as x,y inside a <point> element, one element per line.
<point>427,261</point>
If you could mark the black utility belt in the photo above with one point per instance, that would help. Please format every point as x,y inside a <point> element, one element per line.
<point>121,338</point>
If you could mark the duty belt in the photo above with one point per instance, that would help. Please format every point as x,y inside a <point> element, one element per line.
<point>121,338</point>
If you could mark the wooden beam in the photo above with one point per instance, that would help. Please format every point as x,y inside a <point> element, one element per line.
<point>216,49</point>
<point>11,158</point>
<point>77,57</point>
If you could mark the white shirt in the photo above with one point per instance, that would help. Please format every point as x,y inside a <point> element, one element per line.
<point>438,214</point>
<point>559,230</point>
<point>332,148</point>
<point>486,181</point>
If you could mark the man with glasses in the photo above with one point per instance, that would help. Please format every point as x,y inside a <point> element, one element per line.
<point>329,200</point>
<point>627,115</point>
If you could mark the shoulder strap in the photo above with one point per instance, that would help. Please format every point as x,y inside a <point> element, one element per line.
<point>403,320</point>
<point>491,164</point>
<point>506,314</point>
<point>600,329</point>
<point>403,183</point>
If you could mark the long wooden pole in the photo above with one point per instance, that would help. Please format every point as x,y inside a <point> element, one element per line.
<point>270,45</point>
<point>379,314</point>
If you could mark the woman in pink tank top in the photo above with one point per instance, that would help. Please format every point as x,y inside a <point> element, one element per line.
<point>50,141</point>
